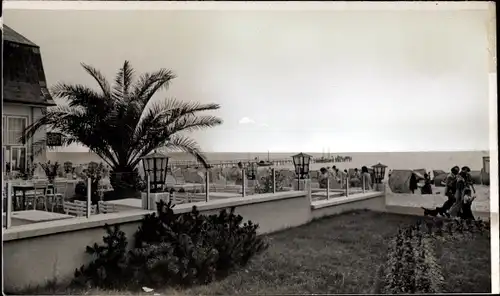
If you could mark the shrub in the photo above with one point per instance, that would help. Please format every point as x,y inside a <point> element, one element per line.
<point>108,268</point>
<point>81,190</point>
<point>51,170</point>
<point>177,249</point>
<point>266,183</point>
<point>223,235</point>
<point>411,266</point>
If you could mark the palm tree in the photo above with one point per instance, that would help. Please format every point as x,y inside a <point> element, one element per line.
<point>121,123</point>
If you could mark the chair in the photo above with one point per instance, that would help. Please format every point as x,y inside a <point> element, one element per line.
<point>40,191</point>
<point>78,208</point>
<point>57,196</point>
<point>106,208</point>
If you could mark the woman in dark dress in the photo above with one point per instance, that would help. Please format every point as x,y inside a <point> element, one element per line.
<point>427,188</point>
<point>413,183</point>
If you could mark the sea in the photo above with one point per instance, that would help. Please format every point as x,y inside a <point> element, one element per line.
<point>428,160</point>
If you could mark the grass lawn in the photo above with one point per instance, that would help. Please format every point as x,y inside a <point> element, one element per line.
<point>340,254</point>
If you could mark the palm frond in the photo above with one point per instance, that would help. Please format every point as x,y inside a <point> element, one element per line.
<point>99,78</point>
<point>53,118</point>
<point>123,81</point>
<point>40,146</point>
<point>121,124</point>
<point>82,96</point>
<point>148,84</point>
<point>188,145</point>
<point>160,114</point>
<point>77,126</point>
<point>163,119</point>
<point>192,123</point>
<point>177,143</point>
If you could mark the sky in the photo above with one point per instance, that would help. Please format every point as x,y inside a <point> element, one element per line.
<point>346,81</point>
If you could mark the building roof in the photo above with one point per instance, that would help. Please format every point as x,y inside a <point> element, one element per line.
<point>23,74</point>
<point>12,36</point>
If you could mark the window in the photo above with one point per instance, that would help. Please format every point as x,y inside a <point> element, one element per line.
<point>4,160</point>
<point>4,129</point>
<point>17,158</point>
<point>15,128</point>
<point>14,152</point>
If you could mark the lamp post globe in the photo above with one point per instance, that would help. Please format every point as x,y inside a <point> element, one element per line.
<point>301,163</point>
<point>155,167</point>
<point>379,172</point>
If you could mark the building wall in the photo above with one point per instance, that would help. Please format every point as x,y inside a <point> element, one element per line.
<point>31,113</point>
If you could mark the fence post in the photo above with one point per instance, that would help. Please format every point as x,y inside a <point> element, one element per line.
<point>328,188</point>
<point>363,182</point>
<point>346,187</point>
<point>207,186</point>
<point>273,171</point>
<point>243,180</point>
<point>8,212</point>
<point>89,197</point>
<point>148,193</point>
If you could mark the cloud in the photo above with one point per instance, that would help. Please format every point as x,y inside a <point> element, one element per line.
<point>246,120</point>
<point>250,121</point>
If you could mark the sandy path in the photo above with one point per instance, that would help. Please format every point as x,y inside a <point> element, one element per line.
<point>481,204</point>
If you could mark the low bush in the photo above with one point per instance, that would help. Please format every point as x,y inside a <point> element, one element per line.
<point>172,249</point>
<point>411,266</point>
<point>266,183</point>
<point>108,267</point>
<point>81,190</point>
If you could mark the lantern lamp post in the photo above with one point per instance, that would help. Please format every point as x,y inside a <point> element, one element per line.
<point>379,172</point>
<point>301,163</point>
<point>155,167</point>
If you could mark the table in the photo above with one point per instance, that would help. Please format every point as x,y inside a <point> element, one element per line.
<point>35,216</point>
<point>23,188</point>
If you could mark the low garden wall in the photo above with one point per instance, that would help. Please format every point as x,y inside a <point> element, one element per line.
<point>35,254</point>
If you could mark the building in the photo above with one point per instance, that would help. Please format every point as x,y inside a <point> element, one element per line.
<point>25,96</point>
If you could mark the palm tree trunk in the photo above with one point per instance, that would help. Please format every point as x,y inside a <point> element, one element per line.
<point>125,181</point>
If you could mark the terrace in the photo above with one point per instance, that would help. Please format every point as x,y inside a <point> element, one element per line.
<point>59,232</point>
<point>77,223</point>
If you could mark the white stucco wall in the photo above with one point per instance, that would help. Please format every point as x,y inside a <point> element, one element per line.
<point>32,113</point>
<point>17,110</point>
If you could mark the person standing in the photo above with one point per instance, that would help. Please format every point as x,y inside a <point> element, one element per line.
<point>356,175</point>
<point>427,188</point>
<point>451,179</point>
<point>345,178</point>
<point>333,172</point>
<point>468,179</point>
<point>413,182</point>
<point>461,185</point>
<point>323,178</point>
<point>366,178</point>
